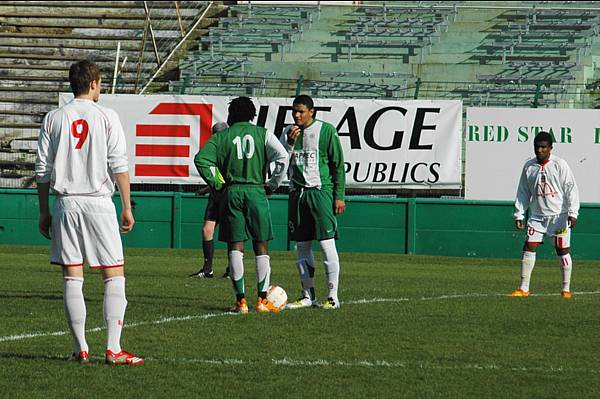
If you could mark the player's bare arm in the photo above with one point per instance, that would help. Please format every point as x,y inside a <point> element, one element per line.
<point>127,220</point>
<point>45,217</point>
<point>572,221</point>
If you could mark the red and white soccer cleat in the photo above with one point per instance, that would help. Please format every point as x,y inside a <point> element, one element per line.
<point>82,357</point>
<point>566,294</point>
<point>121,358</point>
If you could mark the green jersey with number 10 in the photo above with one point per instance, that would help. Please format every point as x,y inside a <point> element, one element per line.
<point>242,154</point>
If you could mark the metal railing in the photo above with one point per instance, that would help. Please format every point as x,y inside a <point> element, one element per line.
<point>168,46</point>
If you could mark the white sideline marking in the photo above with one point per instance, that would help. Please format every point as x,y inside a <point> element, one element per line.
<point>164,320</point>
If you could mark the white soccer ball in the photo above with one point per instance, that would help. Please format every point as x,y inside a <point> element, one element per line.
<point>277,296</point>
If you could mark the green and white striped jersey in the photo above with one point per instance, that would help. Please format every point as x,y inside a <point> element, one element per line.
<point>317,159</point>
<point>242,154</point>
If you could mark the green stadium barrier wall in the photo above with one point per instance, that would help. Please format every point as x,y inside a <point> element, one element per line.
<point>444,227</point>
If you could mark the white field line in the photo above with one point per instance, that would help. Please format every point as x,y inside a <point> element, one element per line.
<point>172,319</point>
<point>128,325</point>
<point>376,364</point>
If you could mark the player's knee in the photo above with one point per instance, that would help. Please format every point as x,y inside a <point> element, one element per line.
<point>304,249</point>
<point>562,251</point>
<point>329,251</point>
<point>207,232</point>
<point>260,247</point>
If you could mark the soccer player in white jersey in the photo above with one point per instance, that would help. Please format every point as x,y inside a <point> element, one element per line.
<point>81,154</point>
<point>317,185</point>
<point>547,188</point>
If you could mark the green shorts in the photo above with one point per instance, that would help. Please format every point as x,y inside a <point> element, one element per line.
<point>311,215</point>
<point>244,214</point>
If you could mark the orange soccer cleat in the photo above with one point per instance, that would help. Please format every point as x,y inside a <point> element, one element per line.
<point>265,306</point>
<point>240,306</point>
<point>520,293</point>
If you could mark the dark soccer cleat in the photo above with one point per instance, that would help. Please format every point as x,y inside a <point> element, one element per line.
<point>203,274</point>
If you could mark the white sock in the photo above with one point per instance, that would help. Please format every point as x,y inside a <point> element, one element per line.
<point>331,261</point>
<point>114,310</point>
<point>75,312</point>
<point>527,264</point>
<point>306,267</point>
<point>236,270</point>
<point>566,266</point>
<point>263,273</point>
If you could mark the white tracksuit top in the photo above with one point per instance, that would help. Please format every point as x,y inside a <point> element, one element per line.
<point>80,147</point>
<point>547,190</point>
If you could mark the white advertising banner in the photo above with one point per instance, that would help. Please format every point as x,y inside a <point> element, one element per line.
<point>387,144</point>
<point>500,140</point>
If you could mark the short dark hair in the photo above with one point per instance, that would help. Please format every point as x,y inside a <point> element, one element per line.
<point>219,127</point>
<point>543,136</point>
<point>240,109</point>
<point>307,101</point>
<point>81,74</point>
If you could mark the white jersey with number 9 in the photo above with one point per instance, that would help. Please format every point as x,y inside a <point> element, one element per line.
<point>81,145</point>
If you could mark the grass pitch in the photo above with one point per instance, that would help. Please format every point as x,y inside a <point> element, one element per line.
<point>409,327</point>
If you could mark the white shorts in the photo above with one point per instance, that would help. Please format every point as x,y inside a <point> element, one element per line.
<point>552,226</point>
<point>86,228</point>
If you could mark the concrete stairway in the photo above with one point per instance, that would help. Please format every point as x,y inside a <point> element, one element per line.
<point>39,40</point>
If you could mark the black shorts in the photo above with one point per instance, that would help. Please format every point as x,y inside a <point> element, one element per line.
<point>212,208</point>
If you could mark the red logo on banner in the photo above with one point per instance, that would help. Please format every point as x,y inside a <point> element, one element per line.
<point>173,151</point>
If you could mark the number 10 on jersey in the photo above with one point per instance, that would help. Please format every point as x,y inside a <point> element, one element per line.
<point>244,145</point>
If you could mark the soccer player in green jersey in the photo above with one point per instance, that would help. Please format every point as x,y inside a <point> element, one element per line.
<point>211,219</point>
<point>242,153</point>
<point>317,185</point>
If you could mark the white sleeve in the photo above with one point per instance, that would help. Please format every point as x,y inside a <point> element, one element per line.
<point>571,192</point>
<point>523,196</point>
<point>116,146</point>
<point>283,139</point>
<point>45,153</point>
<point>276,153</point>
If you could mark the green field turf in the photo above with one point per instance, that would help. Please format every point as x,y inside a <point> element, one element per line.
<point>409,326</point>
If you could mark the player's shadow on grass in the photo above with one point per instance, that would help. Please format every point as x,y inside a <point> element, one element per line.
<point>34,295</point>
<point>181,303</point>
<point>31,356</point>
